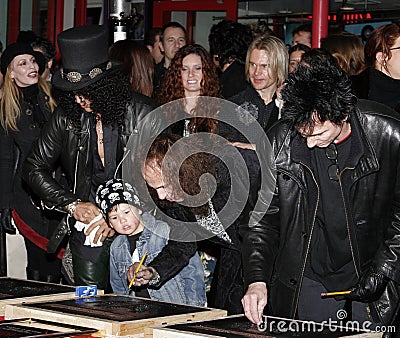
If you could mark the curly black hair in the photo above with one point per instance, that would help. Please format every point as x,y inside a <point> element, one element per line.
<point>230,41</point>
<point>319,90</point>
<point>109,97</point>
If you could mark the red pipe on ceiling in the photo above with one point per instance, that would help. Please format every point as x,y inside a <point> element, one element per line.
<point>319,22</point>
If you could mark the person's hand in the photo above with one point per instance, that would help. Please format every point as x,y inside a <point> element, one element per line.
<point>85,212</point>
<point>143,276</point>
<point>243,145</point>
<point>102,232</point>
<point>369,288</point>
<point>254,302</point>
<point>5,222</point>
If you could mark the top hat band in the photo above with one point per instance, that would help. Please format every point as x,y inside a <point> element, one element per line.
<point>74,76</point>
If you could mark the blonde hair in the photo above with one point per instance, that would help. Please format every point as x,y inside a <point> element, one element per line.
<point>277,53</point>
<point>10,103</point>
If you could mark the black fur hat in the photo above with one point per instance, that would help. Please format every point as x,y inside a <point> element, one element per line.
<point>20,48</point>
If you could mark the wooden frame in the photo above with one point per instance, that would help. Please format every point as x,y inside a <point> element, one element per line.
<point>25,327</point>
<point>17,296</point>
<point>222,328</point>
<point>85,312</point>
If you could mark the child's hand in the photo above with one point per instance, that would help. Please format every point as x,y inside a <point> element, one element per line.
<point>143,276</point>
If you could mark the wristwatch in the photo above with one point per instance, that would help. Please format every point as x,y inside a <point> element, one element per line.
<point>156,277</point>
<point>72,207</point>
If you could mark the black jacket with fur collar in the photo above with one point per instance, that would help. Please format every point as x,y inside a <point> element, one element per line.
<point>275,249</point>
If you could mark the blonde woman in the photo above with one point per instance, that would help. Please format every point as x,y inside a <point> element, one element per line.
<point>25,106</point>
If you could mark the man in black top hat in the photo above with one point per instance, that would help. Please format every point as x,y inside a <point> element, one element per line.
<point>87,134</point>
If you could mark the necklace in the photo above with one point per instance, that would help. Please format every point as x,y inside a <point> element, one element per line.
<point>99,130</point>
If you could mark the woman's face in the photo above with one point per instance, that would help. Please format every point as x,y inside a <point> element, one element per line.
<point>192,75</point>
<point>294,60</point>
<point>393,64</point>
<point>24,70</point>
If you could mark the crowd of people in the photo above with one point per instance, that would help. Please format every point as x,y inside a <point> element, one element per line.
<point>250,177</point>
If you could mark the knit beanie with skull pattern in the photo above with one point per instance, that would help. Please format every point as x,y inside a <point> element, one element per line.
<point>114,192</point>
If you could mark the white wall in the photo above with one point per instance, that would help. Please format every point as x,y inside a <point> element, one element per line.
<point>179,16</point>
<point>204,22</point>
<point>69,13</point>
<point>3,22</point>
<point>26,15</point>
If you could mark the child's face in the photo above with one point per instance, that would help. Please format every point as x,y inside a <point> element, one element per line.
<point>126,219</point>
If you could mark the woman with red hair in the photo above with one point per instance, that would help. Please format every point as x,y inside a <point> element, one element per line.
<point>191,74</point>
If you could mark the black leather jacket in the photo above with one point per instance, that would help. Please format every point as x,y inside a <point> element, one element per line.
<point>61,141</point>
<point>275,249</point>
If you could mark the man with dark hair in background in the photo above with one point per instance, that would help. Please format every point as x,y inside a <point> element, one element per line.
<point>48,49</point>
<point>173,37</point>
<point>302,34</point>
<point>229,42</point>
<point>152,42</point>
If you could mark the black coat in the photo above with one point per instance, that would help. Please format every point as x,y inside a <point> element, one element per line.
<point>275,250</point>
<point>250,109</point>
<point>374,85</point>
<point>233,80</point>
<point>229,287</point>
<point>14,148</point>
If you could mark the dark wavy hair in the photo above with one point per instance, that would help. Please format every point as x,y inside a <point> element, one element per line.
<point>318,90</point>
<point>109,97</point>
<point>230,40</point>
<point>298,47</point>
<point>173,87</point>
<point>190,169</point>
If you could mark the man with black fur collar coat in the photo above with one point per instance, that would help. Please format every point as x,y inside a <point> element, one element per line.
<point>333,222</point>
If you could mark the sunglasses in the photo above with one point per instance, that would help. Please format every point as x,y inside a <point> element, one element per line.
<point>333,169</point>
<point>394,48</point>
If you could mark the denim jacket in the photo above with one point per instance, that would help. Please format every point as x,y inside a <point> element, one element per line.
<point>187,287</point>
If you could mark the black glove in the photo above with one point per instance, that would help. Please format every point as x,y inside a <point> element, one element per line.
<point>5,222</point>
<point>369,288</point>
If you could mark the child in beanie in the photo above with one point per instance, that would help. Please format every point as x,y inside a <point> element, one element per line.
<point>139,233</point>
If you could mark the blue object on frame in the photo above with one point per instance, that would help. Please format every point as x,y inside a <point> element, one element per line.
<point>86,290</point>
